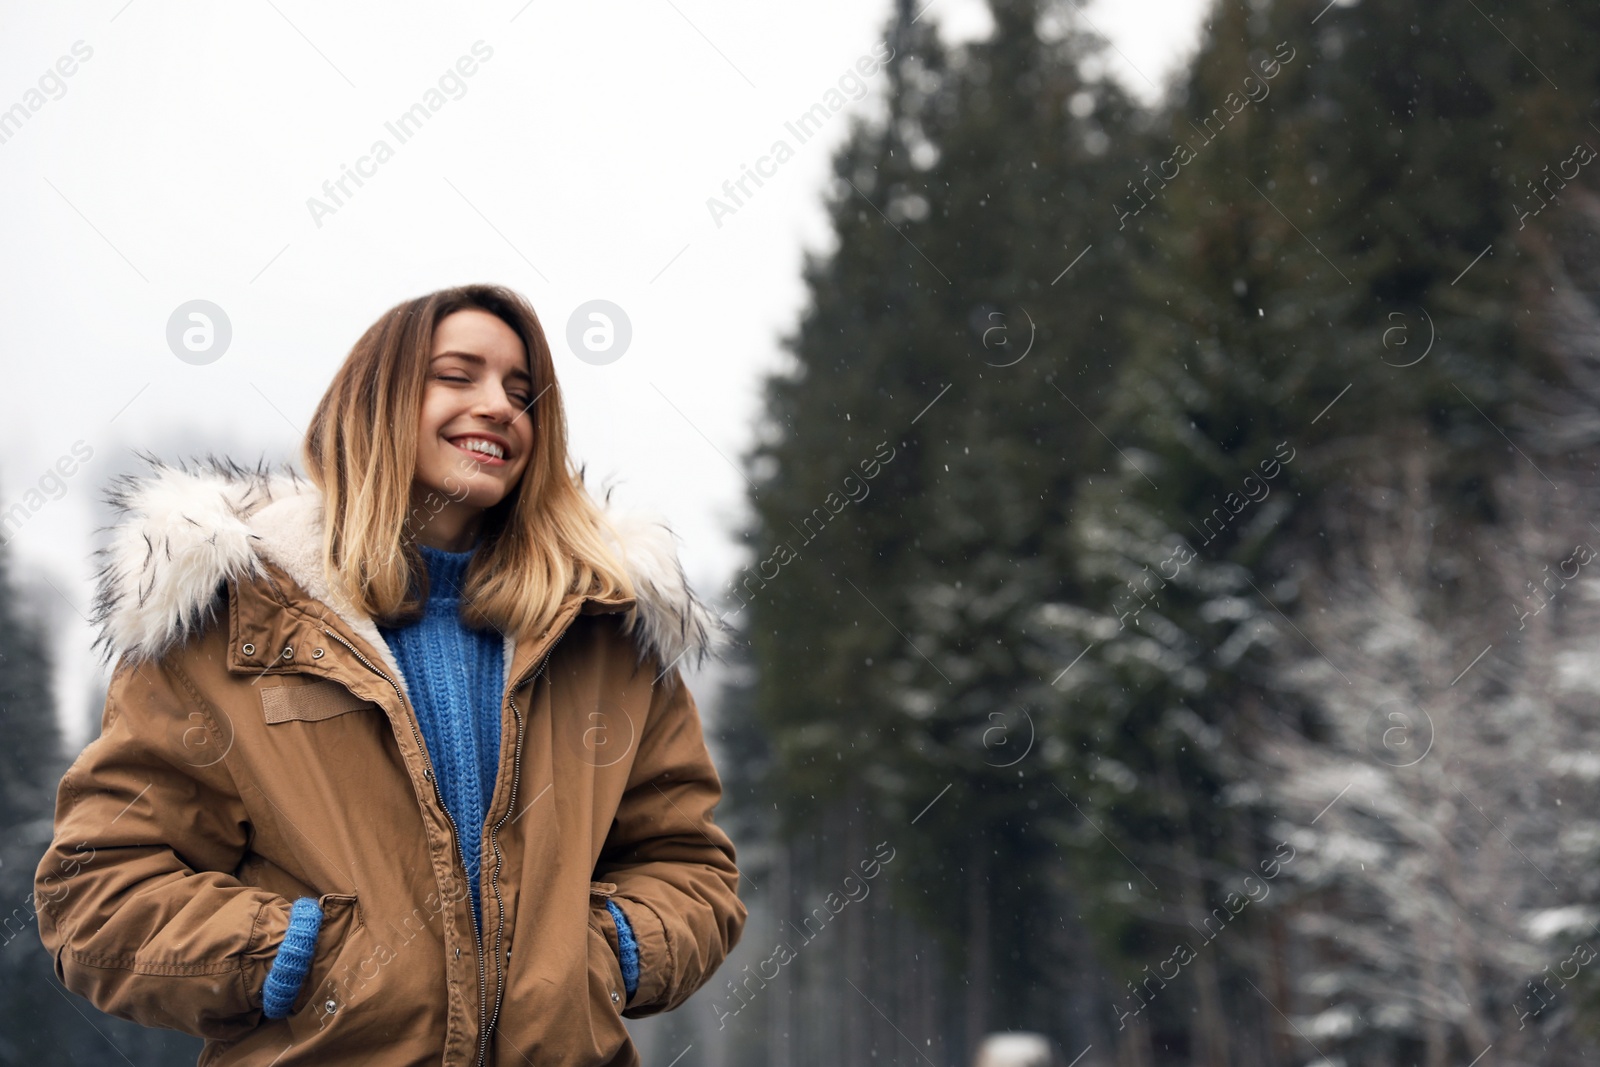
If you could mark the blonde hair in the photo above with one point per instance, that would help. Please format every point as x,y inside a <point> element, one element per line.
<point>541,542</point>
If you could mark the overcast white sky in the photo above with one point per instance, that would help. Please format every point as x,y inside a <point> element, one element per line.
<point>175,164</point>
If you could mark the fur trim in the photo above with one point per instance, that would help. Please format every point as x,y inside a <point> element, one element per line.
<point>182,532</point>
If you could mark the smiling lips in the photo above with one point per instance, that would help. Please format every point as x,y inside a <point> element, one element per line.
<point>483,450</point>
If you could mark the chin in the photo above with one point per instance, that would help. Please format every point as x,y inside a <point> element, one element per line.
<point>485,501</point>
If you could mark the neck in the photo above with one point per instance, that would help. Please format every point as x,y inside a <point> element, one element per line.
<point>452,528</point>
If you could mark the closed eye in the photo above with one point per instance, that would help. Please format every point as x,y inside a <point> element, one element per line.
<point>521,398</point>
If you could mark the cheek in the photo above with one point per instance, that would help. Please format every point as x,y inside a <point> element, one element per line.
<point>433,466</point>
<point>435,456</point>
<point>431,419</point>
<point>525,442</point>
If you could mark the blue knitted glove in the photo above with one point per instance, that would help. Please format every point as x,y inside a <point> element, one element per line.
<point>289,967</point>
<point>630,947</point>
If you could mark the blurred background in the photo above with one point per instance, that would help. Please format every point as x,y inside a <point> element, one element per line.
<point>1148,450</point>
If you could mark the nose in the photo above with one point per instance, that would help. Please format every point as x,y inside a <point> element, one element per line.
<point>495,404</point>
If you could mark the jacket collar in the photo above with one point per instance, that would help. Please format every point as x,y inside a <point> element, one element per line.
<point>180,533</point>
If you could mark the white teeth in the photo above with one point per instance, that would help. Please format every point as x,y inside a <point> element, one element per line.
<point>475,444</point>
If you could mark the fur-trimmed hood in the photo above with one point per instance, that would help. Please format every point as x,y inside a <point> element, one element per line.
<point>182,531</point>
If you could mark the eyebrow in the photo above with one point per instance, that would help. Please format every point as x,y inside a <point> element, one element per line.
<point>473,357</point>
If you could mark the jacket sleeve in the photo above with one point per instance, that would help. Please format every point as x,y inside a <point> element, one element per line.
<point>673,867</point>
<point>135,897</point>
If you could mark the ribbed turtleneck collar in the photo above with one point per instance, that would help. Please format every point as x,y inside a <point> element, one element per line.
<point>447,572</point>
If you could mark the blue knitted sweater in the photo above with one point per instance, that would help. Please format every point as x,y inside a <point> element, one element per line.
<point>456,681</point>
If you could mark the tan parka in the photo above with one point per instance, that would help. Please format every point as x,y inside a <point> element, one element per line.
<point>258,745</point>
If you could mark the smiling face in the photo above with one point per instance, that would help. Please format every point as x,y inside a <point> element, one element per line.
<point>475,434</point>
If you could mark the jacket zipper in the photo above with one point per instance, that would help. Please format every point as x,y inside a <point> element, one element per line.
<point>494,878</point>
<point>477,935</point>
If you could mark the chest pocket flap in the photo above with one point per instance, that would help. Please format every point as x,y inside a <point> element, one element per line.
<point>313,702</point>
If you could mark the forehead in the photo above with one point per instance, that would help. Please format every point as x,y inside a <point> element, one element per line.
<point>477,336</point>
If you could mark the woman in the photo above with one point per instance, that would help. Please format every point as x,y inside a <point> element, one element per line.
<point>396,765</point>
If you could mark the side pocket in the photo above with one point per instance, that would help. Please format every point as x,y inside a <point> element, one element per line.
<point>604,929</point>
<point>606,1029</point>
<point>320,997</point>
<point>606,993</point>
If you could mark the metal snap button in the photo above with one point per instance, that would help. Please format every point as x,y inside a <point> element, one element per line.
<point>316,653</point>
<point>614,998</point>
<point>458,952</point>
<point>249,649</point>
<point>330,1007</point>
